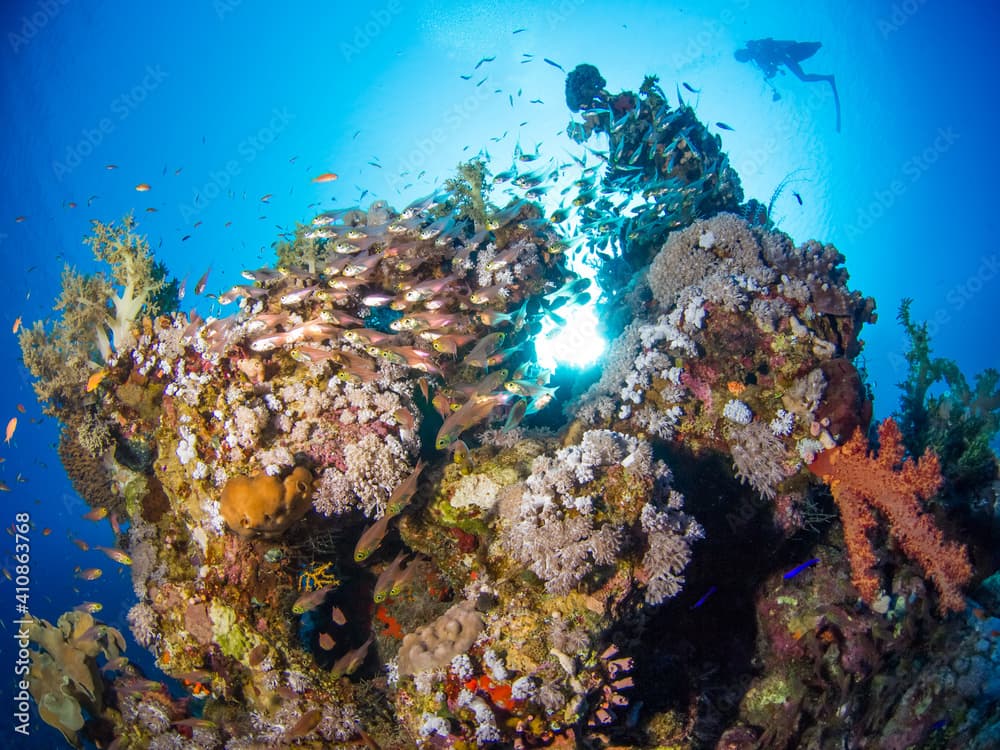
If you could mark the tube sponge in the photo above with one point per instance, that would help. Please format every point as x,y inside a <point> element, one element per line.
<point>265,505</point>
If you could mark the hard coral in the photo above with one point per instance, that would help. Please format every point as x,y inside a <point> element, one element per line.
<point>433,646</point>
<point>265,505</point>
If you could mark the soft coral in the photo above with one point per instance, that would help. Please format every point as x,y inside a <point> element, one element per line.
<point>132,268</point>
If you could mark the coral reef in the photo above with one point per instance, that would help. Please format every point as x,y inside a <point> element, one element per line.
<point>359,511</point>
<point>744,347</point>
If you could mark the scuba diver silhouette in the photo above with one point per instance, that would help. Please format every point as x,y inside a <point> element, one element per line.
<point>771,54</point>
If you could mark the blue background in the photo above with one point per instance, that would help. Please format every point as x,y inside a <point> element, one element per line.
<point>218,104</point>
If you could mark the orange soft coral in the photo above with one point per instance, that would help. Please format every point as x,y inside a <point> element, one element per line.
<point>892,485</point>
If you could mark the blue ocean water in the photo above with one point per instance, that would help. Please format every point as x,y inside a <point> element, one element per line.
<point>216,105</point>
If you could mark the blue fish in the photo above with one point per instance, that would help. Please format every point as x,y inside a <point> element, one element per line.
<point>703,599</point>
<point>723,126</point>
<point>799,568</point>
<point>554,64</point>
<point>797,197</point>
<point>691,88</point>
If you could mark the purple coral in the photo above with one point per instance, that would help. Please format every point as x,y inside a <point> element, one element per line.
<point>670,534</point>
<point>759,457</point>
<point>561,529</point>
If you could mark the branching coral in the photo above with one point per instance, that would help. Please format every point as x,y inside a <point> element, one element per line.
<point>892,485</point>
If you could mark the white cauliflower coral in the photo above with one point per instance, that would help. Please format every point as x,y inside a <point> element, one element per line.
<point>132,268</point>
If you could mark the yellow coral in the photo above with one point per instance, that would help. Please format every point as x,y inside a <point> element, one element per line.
<point>265,505</point>
<point>317,576</point>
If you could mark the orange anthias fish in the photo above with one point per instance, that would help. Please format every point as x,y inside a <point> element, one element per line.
<point>142,187</point>
<point>326,642</point>
<point>17,324</point>
<point>326,177</point>
<point>11,426</point>
<point>115,554</point>
<point>95,380</point>
<point>96,514</point>
<point>90,574</point>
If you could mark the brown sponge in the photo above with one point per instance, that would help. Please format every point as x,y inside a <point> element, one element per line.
<point>264,505</point>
